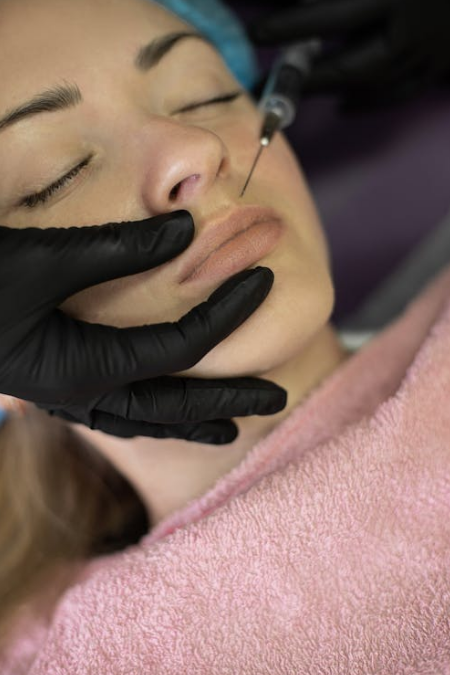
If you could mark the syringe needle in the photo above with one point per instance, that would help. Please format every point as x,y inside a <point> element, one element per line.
<point>270,125</point>
<point>258,155</point>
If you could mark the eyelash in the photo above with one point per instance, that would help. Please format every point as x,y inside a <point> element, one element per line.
<point>33,200</point>
<point>224,98</point>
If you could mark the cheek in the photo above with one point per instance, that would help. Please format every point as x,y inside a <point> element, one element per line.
<point>145,298</point>
<point>297,309</point>
<point>283,175</point>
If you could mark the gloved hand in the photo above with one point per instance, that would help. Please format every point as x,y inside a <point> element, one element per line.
<point>379,51</point>
<point>115,379</point>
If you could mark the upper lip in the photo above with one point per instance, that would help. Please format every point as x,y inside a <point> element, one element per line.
<point>219,232</point>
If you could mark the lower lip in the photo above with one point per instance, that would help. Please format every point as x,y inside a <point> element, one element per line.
<point>234,255</point>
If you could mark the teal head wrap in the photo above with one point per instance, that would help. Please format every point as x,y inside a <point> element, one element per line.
<point>3,416</point>
<point>221,26</point>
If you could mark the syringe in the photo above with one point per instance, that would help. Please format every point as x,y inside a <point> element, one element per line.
<point>282,92</point>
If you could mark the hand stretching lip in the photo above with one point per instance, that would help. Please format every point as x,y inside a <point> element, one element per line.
<point>229,245</point>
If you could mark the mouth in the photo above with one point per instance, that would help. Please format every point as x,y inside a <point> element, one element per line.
<point>232,244</point>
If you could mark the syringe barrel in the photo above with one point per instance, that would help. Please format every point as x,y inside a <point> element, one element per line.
<point>281,106</point>
<point>282,91</point>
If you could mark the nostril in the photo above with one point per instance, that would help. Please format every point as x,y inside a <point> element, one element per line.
<point>184,189</point>
<point>173,194</point>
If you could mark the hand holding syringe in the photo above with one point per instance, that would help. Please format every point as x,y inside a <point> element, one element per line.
<point>282,92</point>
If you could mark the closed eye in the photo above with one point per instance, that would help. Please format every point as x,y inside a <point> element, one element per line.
<point>33,200</point>
<point>223,98</point>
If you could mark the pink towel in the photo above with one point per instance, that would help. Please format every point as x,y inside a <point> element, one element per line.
<point>325,552</point>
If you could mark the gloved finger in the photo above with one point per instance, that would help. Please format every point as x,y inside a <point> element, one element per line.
<point>173,400</point>
<point>172,347</point>
<point>93,359</point>
<point>215,432</point>
<point>80,257</point>
<point>355,64</point>
<point>319,19</point>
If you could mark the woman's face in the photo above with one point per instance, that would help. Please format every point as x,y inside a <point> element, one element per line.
<point>135,143</point>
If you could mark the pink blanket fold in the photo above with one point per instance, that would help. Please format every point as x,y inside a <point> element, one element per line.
<point>325,552</point>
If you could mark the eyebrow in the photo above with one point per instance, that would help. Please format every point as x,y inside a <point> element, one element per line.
<point>152,53</point>
<point>65,96</point>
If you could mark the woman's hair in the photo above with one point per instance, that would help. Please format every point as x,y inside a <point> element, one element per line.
<point>61,502</point>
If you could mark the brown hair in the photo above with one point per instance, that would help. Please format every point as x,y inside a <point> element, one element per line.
<point>61,502</point>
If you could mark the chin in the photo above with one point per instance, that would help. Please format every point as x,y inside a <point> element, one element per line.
<point>268,339</point>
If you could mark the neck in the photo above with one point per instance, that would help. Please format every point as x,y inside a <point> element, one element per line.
<point>299,376</point>
<point>168,474</point>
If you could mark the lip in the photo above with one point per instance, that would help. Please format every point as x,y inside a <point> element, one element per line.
<point>221,250</point>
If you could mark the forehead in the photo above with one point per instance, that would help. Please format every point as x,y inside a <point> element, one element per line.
<point>44,41</point>
<point>61,15</point>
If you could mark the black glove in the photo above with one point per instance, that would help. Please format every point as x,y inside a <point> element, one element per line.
<point>378,51</point>
<point>99,375</point>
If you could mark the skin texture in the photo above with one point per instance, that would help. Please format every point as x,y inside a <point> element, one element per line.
<point>141,150</point>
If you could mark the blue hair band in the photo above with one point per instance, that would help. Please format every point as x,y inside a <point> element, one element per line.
<point>3,416</point>
<point>223,28</point>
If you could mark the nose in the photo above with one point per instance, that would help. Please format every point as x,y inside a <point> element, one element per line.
<point>182,164</point>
